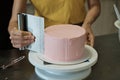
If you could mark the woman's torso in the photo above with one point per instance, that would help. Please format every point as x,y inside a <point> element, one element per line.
<point>60,11</point>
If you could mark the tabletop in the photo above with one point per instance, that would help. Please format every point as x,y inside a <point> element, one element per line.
<point>106,68</point>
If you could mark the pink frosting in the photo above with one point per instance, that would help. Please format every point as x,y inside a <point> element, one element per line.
<point>64,42</point>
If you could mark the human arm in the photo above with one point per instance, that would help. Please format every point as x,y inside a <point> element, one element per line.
<point>18,38</point>
<point>92,14</point>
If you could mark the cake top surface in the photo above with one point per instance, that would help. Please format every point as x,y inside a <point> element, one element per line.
<point>65,31</point>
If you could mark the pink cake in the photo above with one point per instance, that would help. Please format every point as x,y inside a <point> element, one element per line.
<point>64,43</point>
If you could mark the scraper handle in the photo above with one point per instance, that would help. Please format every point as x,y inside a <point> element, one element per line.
<point>22,24</point>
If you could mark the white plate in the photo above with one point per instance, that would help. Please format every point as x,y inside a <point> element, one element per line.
<point>37,62</point>
<point>117,24</point>
<point>86,56</point>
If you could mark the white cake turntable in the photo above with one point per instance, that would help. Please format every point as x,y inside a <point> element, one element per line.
<point>73,71</point>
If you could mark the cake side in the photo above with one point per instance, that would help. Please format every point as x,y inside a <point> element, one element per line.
<point>64,42</point>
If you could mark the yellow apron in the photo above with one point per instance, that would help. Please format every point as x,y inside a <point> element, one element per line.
<point>60,11</point>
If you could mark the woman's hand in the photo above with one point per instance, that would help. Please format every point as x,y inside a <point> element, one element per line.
<point>90,35</point>
<point>21,39</point>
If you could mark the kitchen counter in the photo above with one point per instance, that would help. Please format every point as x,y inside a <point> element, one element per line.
<point>108,64</point>
<point>106,68</point>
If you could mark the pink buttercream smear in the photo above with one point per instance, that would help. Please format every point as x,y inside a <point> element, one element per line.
<point>64,43</point>
<point>64,31</point>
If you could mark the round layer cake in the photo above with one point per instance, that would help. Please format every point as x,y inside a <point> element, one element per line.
<point>64,43</point>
